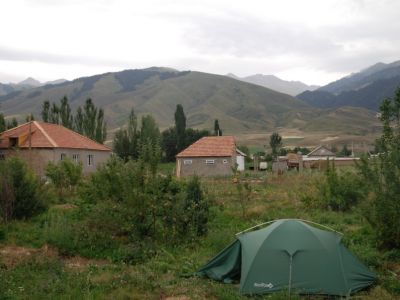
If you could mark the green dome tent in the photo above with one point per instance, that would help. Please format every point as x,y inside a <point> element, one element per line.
<point>289,255</point>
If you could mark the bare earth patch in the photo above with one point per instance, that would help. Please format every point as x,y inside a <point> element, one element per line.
<point>13,255</point>
<point>77,262</point>
<point>67,206</point>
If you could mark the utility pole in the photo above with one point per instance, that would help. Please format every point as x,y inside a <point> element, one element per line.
<point>30,140</point>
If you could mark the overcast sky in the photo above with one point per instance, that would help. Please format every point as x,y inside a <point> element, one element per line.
<point>311,41</point>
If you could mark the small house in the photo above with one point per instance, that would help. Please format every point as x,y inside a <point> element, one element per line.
<point>39,143</point>
<point>321,151</point>
<point>210,156</point>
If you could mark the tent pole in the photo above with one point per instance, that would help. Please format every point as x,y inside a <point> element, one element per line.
<point>290,276</point>
<point>248,229</point>
<point>265,223</point>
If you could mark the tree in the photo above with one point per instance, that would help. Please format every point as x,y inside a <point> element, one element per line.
<point>126,141</point>
<point>65,174</point>
<point>19,190</point>
<point>54,116</point>
<point>29,118</point>
<point>180,126</point>
<point>196,207</point>
<point>93,124</point>
<point>345,151</point>
<point>78,120</point>
<point>3,124</point>
<point>13,123</point>
<point>89,119</point>
<point>67,119</point>
<point>217,129</point>
<point>149,130</point>
<point>101,127</point>
<point>192,135</point>
<point>45,111</point>
<point>381,176</point>
<point>275,142</point>
<point>169,144</point>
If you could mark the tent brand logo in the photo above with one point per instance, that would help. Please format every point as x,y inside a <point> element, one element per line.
<point>263,285</point>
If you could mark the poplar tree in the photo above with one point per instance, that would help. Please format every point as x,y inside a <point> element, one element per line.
<point>78,120</point>
<point>45,111</point>
<point>180,126</point>
<point>13,123</point>
<point>2,123</point>
<point>54,116</point>
<point>217,129</point>
<point>66,117</point>
<point>275,142</point>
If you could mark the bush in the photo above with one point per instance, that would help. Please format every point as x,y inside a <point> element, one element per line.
<point>336,191</point>
<point>19,190</point>
<point>127,203</point>
<point>64,175</point>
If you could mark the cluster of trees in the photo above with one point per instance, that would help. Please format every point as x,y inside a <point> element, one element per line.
<point>88,121</point>
<point>178,137</point>
<point>4,125</point>
<point>154,206</point>
<point>375,184</point>
<point>381,175</point>
<point>133,141</point>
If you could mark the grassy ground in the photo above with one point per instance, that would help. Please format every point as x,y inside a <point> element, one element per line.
<point>30,269</point>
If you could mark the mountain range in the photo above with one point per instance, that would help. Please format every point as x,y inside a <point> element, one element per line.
<point>26,84</point>
<point>272,82</point>
<point>366,88</point>
<point>239,106</point>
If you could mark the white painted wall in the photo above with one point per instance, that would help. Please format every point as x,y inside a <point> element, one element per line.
<point>240,162</point>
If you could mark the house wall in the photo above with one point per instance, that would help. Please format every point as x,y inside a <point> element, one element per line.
<point>199,167</point>
<point>38,159</point>
<point>240,162</point>
<point>323,162</point>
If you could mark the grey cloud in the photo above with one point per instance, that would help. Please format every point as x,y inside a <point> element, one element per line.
<point>10,54</point>
<point>252,38</point>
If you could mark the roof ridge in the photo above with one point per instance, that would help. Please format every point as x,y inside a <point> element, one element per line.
<point>14,128</point>
<point>45,134</point>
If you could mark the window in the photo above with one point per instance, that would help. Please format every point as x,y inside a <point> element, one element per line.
<point>210,161</point>
<point>90,160</point>
<point>63,156</point>
<point>13,142</point>
<point>225,161</point>
<point>187,162</point>
<point>75,158</point>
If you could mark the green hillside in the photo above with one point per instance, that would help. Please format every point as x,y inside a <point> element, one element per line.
<point>240,107</point>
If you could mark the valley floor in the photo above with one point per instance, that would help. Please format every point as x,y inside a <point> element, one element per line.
<point>31,269</point>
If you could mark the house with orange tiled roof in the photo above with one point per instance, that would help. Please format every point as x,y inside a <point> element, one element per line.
<point>39,143</point>
<point>210,156</point>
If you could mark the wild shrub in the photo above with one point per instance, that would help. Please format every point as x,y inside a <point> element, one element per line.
<point>19,190</point>
<point>196,207</point>
<point>65,175</point>
<point>338,191</point>
<point>128,203</point>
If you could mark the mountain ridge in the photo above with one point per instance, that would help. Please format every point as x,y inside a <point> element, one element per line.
<point>366,88</point>
<point>239,106</point>
<point>273,82</point>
